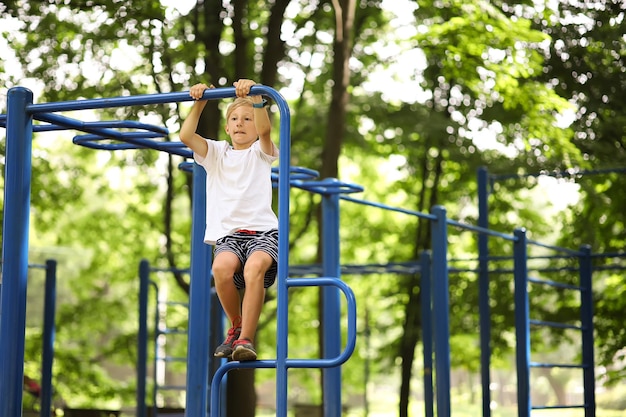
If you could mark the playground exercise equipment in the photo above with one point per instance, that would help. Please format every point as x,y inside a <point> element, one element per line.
<point>21,112</point>
<point>434,268</point>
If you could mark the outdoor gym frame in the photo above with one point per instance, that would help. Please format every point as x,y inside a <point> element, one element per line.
<point>21,112</point>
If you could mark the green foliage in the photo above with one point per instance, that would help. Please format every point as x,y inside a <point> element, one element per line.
<point>496,84</point>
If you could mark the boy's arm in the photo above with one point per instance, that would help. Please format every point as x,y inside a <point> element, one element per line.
<point>187,132</point>
<point>263,128</point>
<point>261,117</point>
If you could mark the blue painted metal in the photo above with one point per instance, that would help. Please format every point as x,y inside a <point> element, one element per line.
<point>484,309</point>
<point>331,338</point>
<point>49,331</point>
<point>287,363</point>
<point>522,327</point>
<point>426,298</point>
<point>155,347</point>
<point>282,330</point>
<point>142,337</point>
<point>199,303</point>
<point>441,312</point>
<point>586,320</point>
<point>17,185</point>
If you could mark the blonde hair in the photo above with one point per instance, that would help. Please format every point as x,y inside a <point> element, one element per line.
<point>239,101</point>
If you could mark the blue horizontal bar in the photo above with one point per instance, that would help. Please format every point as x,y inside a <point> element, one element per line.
<point>88,127</point>
<point>556,407</point>
<point>554,324</point>
<point>556,365</point>
<point>482,230</point>
<point>555,248</point>
<point>144,99</point>
<point>390,208</point>
<point>327,186</point>
<point>297,173</point>
<point>554,284</point>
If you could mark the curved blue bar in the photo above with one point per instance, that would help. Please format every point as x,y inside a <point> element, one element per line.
<point>295,173</point>
<point>328,186</point>
<point>296,363</point>
<point>134,140</point>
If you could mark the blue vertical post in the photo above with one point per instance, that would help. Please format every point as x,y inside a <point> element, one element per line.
<point>17,183</point>
<point>427,331</point>
<point>484,310</point>
<point>142,337</point>
<point>522,322</point>
<point>441,309</point>
<point>199,303</point>
<point>331,302</point>
<point>49,330</point>
<point>586,320</point>
<point>282,330</point>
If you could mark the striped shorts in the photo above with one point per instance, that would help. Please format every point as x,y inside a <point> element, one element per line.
<point>243,243</point>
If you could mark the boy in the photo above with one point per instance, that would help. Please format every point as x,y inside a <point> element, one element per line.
<point>240,221</point>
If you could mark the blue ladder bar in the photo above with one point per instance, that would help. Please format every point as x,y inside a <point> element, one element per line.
<point>142,337</point>
<point>522,329</point>
<point>484,308</point>
<point>426,299</point>
<point>286,363</point>
<point>331,343</point>
<point>441,311</point>
<point>586,319</point>
<point>199,303</point>
<point>49,330</point>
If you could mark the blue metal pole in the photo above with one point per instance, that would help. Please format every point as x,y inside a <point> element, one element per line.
<point>522,322</point>
<point>48,338</point>
<point>17,183</point>
<point>331,302</point>
<point>586,319</point>
<point>427,331</point>
<point>155,347</point>
<point>484,310</point>
<point>199,303</point>
<point>142,337</point>
<point>441,307</point>
<point>282,330</point>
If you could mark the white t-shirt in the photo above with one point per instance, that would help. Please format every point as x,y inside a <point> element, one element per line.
<point>238,189</point>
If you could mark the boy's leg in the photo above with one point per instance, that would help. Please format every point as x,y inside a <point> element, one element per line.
<point>225,265</point>
<point>254,274</point>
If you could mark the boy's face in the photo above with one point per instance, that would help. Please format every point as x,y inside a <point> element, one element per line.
<point>241,128</point>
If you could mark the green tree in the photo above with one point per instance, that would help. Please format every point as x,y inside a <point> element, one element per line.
<point>585,64</point>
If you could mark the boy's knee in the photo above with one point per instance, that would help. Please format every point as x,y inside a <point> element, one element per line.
<point>223,271</point>
<point>255,268</point>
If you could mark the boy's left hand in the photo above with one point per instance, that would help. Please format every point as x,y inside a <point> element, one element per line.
<point>242,87</point>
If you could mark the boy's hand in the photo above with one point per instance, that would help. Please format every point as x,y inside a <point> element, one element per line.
<point>242,87</point>
<point>197,90</point>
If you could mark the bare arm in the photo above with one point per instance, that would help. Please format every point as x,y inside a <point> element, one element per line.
<point>261,117</point>
<point>187,132</point>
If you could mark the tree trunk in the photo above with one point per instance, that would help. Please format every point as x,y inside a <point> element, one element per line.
<point>412,321</point>
<point>342,49</point>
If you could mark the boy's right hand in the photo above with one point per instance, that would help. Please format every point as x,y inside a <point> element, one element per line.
<point>197,90</point>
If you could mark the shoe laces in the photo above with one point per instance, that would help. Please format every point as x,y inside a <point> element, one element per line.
<point>233,332</point>
<point>242,342</point>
